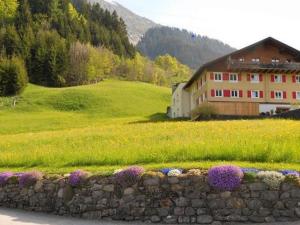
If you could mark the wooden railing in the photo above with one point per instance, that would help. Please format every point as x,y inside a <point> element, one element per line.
<point>239,65</point>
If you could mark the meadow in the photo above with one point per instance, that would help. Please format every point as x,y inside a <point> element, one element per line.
<point>117,123</point>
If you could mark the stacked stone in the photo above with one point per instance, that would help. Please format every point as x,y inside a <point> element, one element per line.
<point>184,199</point>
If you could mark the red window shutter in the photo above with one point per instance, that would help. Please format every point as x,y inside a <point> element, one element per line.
<point>226,93</point>
<point>241,93</point>
<point>284,78</point>
<point>284,95</point>
<point>212,76</point>
<point>240,77</point>
<point>212,93</point>
<point>272,94</point>
<point>225,76</point>
<point>261,77</point>
<point>261,94</point>
<point>248,77</point>
<point>294,78</point>
<point>272,78</point>
<point>249,94</point>
<point>294,95</point>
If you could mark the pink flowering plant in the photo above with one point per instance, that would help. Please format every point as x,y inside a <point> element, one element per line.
<point>225,178</point>
<point>4,177</point>
<point>129,176</point>
<point>29,178</point>
<point>77,177</point>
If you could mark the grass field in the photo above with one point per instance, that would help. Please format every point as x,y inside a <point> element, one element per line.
<point>113,124</point>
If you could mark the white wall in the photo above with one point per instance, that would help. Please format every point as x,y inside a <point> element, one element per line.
<point>180,102</point>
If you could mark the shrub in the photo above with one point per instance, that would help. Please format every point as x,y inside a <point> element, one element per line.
<point>250,176</point>
<point>289,172</point>
<point>272,178</point>
<point>204,111</point>
<point>174,172</point>
<point>129,176</point>
<point>13,76</point>
<point>225,178</point>
<point>77,177</point>
<point>4,177</point>
<point>29,178</point>
<point>292,178</point>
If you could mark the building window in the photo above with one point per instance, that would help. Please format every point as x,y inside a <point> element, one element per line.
<point>219,93</point>
<point>275,61</point>
<point>218,76</point>
<point>278,95</point>
<point>278,78</point>
<point>241,60</point>
<point>298,95</point>
<point>234,94</point>
<point>254,78</point>
<point>254,94</point>
<point>298,79</point>
<point>233,77</point>
<point>255,60</point>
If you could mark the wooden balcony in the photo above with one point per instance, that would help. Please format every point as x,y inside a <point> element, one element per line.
<point>287,67</point>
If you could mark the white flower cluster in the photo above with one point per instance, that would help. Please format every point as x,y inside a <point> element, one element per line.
<point>174,173</point>
<point>272,178</point>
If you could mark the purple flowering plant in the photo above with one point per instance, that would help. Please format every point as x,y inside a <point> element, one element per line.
<point>129,176</point>
<point>77,177</point>
<point>4,177</point>
<point>29,178</point>
<point>225,178</point>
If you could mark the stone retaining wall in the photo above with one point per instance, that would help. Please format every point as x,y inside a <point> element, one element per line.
<point>183,199</point>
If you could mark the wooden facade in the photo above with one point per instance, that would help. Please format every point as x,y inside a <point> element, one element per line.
<point>237,108</point>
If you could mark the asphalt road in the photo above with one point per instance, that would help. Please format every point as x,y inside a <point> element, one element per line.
<point>17,217</point>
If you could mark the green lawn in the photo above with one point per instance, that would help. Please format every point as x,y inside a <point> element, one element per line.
<point>116,123</point>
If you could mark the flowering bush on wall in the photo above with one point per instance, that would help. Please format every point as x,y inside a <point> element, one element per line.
<point>272,178</point>
<point>77,177</point>
<point>29,178</point>
<point>4,177</point>
<point>289,172</point>
<point>174,172</point>
<point>225,178</point>
<point>129,176</point>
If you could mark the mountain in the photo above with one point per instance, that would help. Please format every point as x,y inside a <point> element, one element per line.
<point>190,49</point>
<point>137,26</point>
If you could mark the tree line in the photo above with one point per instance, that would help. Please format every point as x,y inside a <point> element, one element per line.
<point>59,43</point>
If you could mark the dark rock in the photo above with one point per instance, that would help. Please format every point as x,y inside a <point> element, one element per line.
<point>204,219</point>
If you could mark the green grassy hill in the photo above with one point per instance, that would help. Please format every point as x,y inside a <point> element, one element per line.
<point>41,108</point>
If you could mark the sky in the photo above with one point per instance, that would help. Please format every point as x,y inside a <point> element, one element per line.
<point>236,22</point>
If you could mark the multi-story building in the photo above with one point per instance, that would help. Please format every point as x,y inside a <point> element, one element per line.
<point>261,78</point>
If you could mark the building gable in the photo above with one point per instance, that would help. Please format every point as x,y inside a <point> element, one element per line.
<point>264,51</point>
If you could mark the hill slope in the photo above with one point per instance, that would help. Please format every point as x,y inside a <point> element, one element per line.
<point>137,26</point>
<point>55,108</point>
<point>188,48</point>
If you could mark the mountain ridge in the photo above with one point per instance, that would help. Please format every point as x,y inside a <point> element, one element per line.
<point>137,25</point>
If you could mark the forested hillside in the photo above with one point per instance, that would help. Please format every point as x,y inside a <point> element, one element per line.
<point>60,43</point>
<point>190,49</point>
<point>137,25</point>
